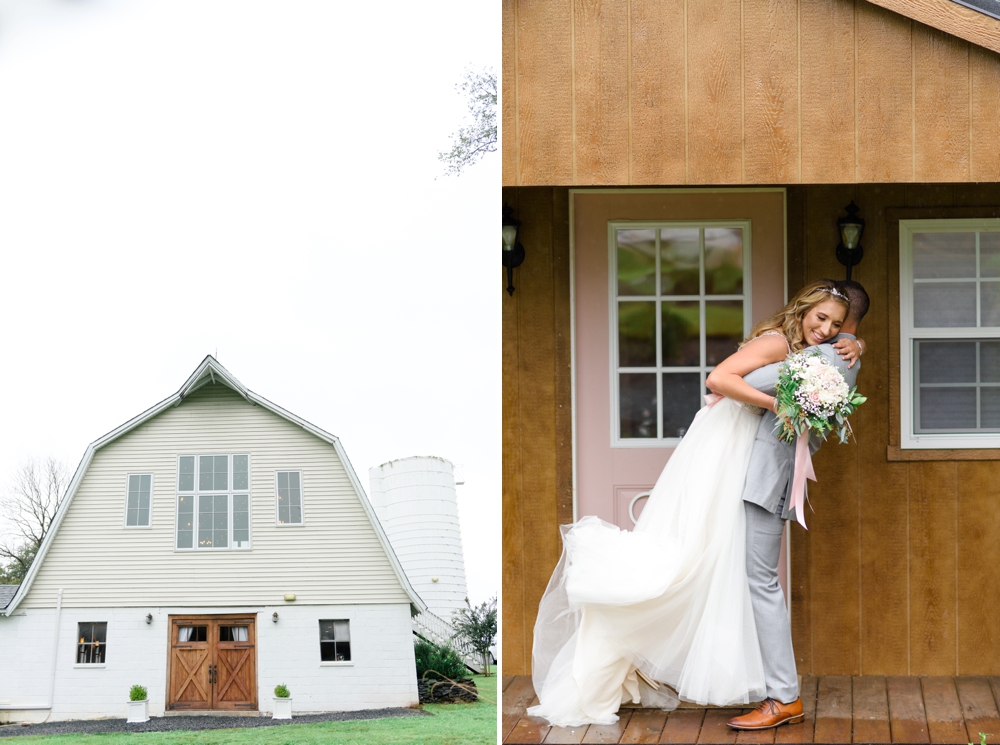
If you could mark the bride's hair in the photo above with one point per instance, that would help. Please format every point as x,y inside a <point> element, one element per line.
<point>788,320</point>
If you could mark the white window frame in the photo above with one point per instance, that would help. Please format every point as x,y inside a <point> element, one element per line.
<point>302,499</point>
<point>910,440</point>
<point>152,484</point>
<point>336,663</point>
<point>196,493</point>
<point>703,369</point>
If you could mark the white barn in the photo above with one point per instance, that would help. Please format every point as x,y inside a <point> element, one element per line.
<point>210,548</point>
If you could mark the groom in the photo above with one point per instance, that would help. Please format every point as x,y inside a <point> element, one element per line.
<point>766,498</point>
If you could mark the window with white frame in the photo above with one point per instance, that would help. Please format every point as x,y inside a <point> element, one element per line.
<point>92,649</point>
<point>137,500</point>
<point>949,306</point>
<point>335,641</point>
<point>680,304</point>
<point>213,502</point>
<point>289,505</point>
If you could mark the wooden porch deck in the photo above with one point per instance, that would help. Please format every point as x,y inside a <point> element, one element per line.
<point>839,709</point>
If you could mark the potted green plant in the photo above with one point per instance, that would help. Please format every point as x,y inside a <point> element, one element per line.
<point>138,705</point>
<point>282,702</point>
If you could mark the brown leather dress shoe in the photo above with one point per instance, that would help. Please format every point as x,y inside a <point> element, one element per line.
<point>769,713</point>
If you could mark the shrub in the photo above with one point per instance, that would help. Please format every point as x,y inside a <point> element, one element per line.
<point>437,661</point>
<point>281,691</point>
<point>137,693</point>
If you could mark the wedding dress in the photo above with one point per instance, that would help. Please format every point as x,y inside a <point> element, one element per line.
<point>668,601</point>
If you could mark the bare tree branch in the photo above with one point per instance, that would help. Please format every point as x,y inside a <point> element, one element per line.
<point>28,508</point>
<point>471,143</point>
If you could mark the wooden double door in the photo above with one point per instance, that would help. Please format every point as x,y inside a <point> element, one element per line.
<point>212,663</point>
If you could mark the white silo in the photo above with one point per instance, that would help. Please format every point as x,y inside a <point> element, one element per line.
<point>417,503</point>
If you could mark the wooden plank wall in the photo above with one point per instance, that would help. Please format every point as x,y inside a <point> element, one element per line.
<point>893,576</point>
<point>896,575</point>
<point>658,92</point>
<point>537,433</point>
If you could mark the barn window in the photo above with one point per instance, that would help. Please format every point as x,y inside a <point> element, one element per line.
<point>137,500</point>
<point>949,333</point>
<point>92,648</point>
<point>335,641</point>
<point>680,304</point>
<point>213,502</point>
<point>289,505</point>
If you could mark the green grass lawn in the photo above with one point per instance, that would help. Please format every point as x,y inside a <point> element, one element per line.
<point>451,724</point>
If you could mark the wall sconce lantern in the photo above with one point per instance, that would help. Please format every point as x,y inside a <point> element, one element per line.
<point>851,227</point>
<point>274,616</point>
<point>513,252</point>
<point>149,618</point>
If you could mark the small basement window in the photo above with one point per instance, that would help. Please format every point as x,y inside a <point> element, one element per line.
<point>92,648</point>
<point>335,641</point>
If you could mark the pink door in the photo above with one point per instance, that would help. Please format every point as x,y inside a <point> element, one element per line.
<point>666,283</point>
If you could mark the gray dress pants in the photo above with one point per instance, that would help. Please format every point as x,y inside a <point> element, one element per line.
<point>770,614</point>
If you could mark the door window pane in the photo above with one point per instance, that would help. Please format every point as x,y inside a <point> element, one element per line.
<point>637,405</point>
<point>637,334</point>
<point>679,261</point>
<point>636,262</point>
<point>234,633</point>
<point>723,329</point>
<point>680,331</point>
<point>724,261</point>
<point>192,634</point>
<point>681,401</point>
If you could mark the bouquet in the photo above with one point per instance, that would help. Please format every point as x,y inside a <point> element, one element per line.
<point>813,396</point>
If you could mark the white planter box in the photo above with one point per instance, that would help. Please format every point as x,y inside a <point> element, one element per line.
<point>282,708</point>
<point>138,711</point>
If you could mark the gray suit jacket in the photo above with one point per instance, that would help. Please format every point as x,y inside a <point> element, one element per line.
<point>769,475</point>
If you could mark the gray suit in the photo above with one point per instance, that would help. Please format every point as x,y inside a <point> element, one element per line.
<point>766,497</point>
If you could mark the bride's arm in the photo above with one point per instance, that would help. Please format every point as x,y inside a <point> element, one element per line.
<point>727,378</point>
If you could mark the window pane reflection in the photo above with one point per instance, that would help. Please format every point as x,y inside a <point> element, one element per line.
<point>636,262</point>
<point>944,305</point>
<point>680,333</point>
<point>679,264</point>
<point>724,261</point>
<point>723,329</point>
<point>681,401</point>
<point>944,255</point>
<point>637,404</point>
<point>637,334</point>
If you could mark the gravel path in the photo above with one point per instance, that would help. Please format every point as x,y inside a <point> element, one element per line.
<point>164,724</point>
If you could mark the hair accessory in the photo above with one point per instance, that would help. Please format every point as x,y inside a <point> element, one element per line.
<point>835,292</point>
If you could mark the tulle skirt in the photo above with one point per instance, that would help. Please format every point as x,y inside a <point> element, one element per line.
<point>667,602</point>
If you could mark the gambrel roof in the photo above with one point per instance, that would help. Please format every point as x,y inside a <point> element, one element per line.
<point>210,371</point>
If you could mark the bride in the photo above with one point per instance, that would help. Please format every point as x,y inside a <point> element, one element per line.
<point>668,603</point>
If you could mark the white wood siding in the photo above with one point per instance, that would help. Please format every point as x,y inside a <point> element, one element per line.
<point>334,558</point>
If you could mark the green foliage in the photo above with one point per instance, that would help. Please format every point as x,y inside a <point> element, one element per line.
<point>471,143</point>
<point>137,693</point>
<point>14,571</point>
<point>281,691</point>
<point>435,661</point>
<point>479,627</point>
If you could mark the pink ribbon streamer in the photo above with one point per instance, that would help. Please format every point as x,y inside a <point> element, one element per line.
<point>803,470</point>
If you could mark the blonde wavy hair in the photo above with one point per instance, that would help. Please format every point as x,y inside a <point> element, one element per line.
<point>788,320</point>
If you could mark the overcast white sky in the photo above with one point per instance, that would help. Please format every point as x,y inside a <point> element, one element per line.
<point>256,180</point>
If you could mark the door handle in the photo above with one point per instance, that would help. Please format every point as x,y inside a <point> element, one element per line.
<point>211,674</point>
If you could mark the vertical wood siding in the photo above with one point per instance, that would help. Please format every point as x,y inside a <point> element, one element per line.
<point>334,558</point>
<point>537,434</point>
<point>661,92</point>
<point>896,574</point>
